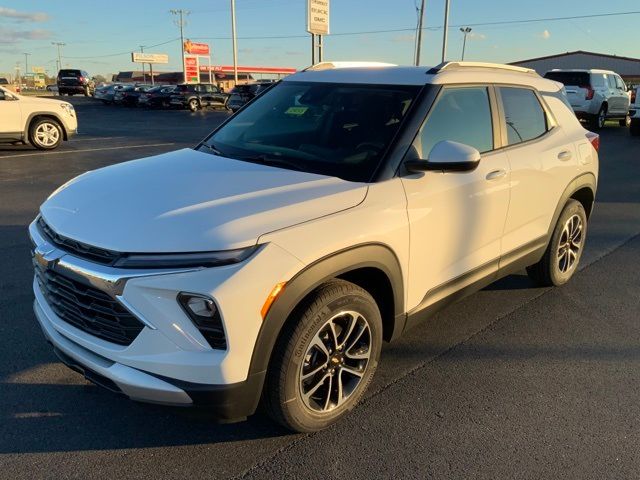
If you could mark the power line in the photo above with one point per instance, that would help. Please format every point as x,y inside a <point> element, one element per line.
<point>394,30</point>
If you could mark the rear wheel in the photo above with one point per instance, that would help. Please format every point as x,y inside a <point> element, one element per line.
<point>625,122</point>
<point>193,105</point>
<point>325,357</point>
<point>564,251</point>
<point>634,128</point>
<point>45,134</point>
<point>86,92</point>
<point>598,120</point>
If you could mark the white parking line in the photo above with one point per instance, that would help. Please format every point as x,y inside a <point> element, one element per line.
<point>60,152</point>
<point>91,139</point>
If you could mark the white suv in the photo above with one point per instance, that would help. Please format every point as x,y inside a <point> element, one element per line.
<point>331,213</point>
<point>595,95</point>
<point>43,122</point>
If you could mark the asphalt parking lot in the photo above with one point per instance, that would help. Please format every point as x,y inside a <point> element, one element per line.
<point>513,382</point>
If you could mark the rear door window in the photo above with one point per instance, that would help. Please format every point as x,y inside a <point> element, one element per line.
<point>524,117</point>
<point>461,115</point>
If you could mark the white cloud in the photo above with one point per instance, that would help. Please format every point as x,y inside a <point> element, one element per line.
<point>477,36</point>
<point>23,16</point>
<point>545,35</point>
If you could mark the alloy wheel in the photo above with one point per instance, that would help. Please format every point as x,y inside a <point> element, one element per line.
<point>47,134</point>
<point>570,243</point>
<point>335,361</point>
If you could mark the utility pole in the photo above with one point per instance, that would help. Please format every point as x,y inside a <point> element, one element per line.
<point>59,44</point>
<point>313,49</point>
<point>144,78</point>
<point>18,81</point>
<point>465,31</point>
<point>235,46</point>
<point>446,28</point>
<point>26,62</point>
<point>180,22</point>
<point>419,41</point>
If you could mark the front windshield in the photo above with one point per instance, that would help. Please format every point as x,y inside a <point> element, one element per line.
<point>340,130</point>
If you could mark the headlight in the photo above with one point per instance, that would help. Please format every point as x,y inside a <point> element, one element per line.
<point>184,260</point>
<point>67,107</point>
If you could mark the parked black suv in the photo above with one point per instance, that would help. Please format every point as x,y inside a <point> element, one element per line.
<point>72,81</point>
<point>198,95</point>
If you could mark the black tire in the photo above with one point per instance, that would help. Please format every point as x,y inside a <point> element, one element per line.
<point>193,105</point>
<point>45,133</point>
<point>335,301</point>
<point>625,122</point>
<point>634,128</point>
<point>598,120</point>
<point>550,271</point>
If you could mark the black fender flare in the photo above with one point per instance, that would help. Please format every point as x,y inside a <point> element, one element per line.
<point>583,180</point>
<point>374,255</point>
<point>55,116</point>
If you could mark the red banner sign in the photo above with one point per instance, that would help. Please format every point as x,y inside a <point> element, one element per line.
<point>191,69</point>
<point>196,48</point>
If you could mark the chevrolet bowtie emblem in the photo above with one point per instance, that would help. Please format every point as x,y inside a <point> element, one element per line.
<point>46,255</point>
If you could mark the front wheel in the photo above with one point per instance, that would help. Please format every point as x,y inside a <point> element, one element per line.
<point>45,134</point>
<point>560,260</point>
<point>325,357</point>
<point>193,104</point>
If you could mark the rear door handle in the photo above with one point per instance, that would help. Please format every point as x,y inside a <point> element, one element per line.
<point>496,174</point>
<point>564,155</point>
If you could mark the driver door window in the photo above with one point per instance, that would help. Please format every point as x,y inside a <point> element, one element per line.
<point>460,114</point>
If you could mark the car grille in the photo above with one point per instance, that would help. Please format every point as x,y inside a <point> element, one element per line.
<point>79,249</point>
<point>87,308</point>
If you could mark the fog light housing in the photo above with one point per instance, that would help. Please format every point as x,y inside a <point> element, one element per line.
<point>205,315</point>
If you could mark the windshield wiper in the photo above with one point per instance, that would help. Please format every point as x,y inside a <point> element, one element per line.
<point>264,159</point>
<point>213,149</point>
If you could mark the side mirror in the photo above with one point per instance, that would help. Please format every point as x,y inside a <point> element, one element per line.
<point>447,156</point>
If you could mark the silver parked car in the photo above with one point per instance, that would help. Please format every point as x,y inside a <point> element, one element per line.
<point>595,95</point>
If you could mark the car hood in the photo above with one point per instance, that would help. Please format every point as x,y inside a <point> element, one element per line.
<point>43,102</point>
<point>187,201</point>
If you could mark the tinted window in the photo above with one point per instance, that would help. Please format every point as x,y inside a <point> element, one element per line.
<point>523,113</point>
<point>461,115</point>
<point>70,73</point>
<point>341,130</point>
<point>575,79</point>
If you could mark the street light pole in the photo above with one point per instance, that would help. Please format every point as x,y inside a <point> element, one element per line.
<point>235,46</point>
<point>26,62</point>
<point>419,41</point>
<point>181,23</point>
<point>446,28</point>
<point>465,31</point>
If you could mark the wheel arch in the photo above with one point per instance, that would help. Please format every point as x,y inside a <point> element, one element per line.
<point>33,116</point>
<point>373,267</point>
<point>583,189</point>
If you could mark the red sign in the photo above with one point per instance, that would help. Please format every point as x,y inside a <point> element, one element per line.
<point>191,69</point>
<point>196,48</point>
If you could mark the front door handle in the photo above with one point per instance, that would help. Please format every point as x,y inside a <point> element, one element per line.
<point>564,155</point>
<point>496,174</point>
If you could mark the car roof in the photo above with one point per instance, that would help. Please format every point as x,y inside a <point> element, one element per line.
<point>443,74</point>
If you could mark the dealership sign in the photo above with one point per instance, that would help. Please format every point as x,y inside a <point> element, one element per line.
<point>318,17</point>
<point>139,57</point>
<point>194,48</point>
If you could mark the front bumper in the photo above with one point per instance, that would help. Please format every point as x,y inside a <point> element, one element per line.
<point>169,361</point>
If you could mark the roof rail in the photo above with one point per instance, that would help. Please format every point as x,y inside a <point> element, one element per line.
<point>332,65</point>
<point>496,66</point>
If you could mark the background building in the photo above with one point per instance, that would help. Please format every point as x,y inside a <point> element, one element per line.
<point>628,68</point>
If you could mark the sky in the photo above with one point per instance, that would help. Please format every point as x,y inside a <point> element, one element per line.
<point>99,35</point>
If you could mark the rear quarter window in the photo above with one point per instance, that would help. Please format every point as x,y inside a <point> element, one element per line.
<point>598,80</point>
<point>524,116</point>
